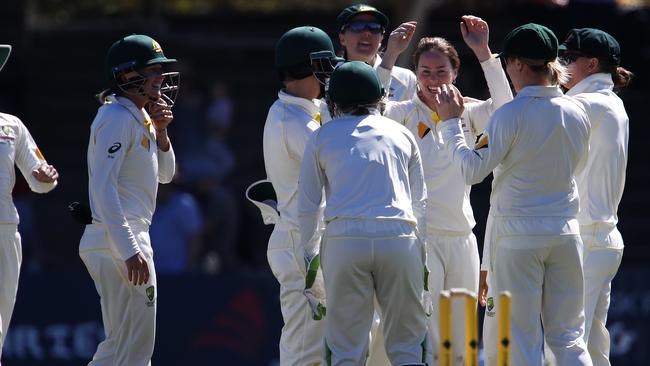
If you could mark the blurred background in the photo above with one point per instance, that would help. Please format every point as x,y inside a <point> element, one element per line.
<point>218,301</point>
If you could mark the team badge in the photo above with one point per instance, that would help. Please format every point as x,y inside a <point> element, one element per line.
<point>156,46</point>
<point>7,133</point>
<point>151,294</point>
<point>366,8</point>
<point>490,307</point>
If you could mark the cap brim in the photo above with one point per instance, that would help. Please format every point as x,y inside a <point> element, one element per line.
<point>5,50</point>
<point>161,61</point>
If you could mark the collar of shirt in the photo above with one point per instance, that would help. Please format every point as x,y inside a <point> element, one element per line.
<point>140,115</point>
<point>371,112</point>
<point>540,91</point>
<point>308,105</point>
<point>432,116</point>
<point>592,83</point>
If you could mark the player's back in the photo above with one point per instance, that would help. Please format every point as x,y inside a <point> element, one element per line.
<point>550,140</point>
<point>366,161</point>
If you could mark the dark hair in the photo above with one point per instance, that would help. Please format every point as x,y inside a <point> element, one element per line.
<point>438,44</point>
<point>295,72</point>
<point>620,75</point>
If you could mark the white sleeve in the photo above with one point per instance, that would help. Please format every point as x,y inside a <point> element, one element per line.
<point>296,136</point>
<point>310,194</point>
<point>476,164</point>
<point>397,111</point>
<point>113,141</point>
<point>166,165</point>
<point>384,76</point>
<point>418,189</point>
<point>29,158</point>
<point>500,94</point>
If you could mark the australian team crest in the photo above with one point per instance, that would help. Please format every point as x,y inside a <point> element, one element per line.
<point>151,295</point>
<point>490,307</point>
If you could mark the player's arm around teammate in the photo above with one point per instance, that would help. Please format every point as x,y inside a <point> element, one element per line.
<point>537,143</point>
<point>17,148</point>
<point>129,154</point>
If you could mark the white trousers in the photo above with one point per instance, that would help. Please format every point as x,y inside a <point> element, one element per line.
<point>603,251</point>
<point>544,275</point>
<point>453,262</point>
<point>301,340</point>
<point>11,257</point>
<point>128,311</point>
<point>362,259</point>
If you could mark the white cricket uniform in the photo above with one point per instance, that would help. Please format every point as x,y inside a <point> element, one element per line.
<point>289,124</point>
<point>600,186</point>
<point>400,83</point>
<point>124,168</point>
<point>17,147</point>
<point>452,251</point>
<point>370,169</point>
<point>537,144</point>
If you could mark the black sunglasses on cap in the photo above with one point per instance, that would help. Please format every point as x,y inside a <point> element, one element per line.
<point>359,26</point>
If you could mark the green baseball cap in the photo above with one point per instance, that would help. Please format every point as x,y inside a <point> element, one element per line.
<point>134,52</point>
<point>533,41</point>
<point>354,83</point>
<point>294,46</point>
<point>592,42</point>
<point>344,17</point>
<point>5,50</point>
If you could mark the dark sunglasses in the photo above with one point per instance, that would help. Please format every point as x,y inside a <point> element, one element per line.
<point>359,26</point>
<point>570,57</point>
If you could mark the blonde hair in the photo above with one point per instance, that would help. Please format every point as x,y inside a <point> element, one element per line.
<point>556,73</point>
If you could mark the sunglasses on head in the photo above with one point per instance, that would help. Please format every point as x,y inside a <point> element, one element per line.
<point>359,26</point>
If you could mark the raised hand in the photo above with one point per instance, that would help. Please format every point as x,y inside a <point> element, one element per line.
<point>398,41</point>
<point>476,35</point>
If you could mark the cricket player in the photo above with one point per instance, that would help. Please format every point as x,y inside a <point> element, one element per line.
<point>370,170</point>
<point>301,55</point>
<point>17,147</point>
<point>361,31</point>
<point>452,251</point>
<point>537,144</point>
<point>593,59</point>
<point>129,153</point>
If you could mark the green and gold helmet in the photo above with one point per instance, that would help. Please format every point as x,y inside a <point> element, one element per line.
<point>304,51</point>
<point>133,53</point>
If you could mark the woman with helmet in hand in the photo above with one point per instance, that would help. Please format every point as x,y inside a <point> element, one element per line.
<point>129,153</point>
<point>303,59</point>
<point>369,168</point>
<point>17,147</point>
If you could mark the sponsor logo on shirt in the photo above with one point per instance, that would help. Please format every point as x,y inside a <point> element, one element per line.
<point>114,148</point>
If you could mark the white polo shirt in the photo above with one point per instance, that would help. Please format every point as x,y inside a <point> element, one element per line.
<point>17,147</point>
<point>538,142</point>
<point>601,183</point>
<point>400,83</point>
<point>448,204</point>
<point>369,167</point>
<point>124,168</point>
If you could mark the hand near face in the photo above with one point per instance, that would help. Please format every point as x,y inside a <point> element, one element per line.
<point>45,174</point>
<point>449,102</point>
<point>160,113</point>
